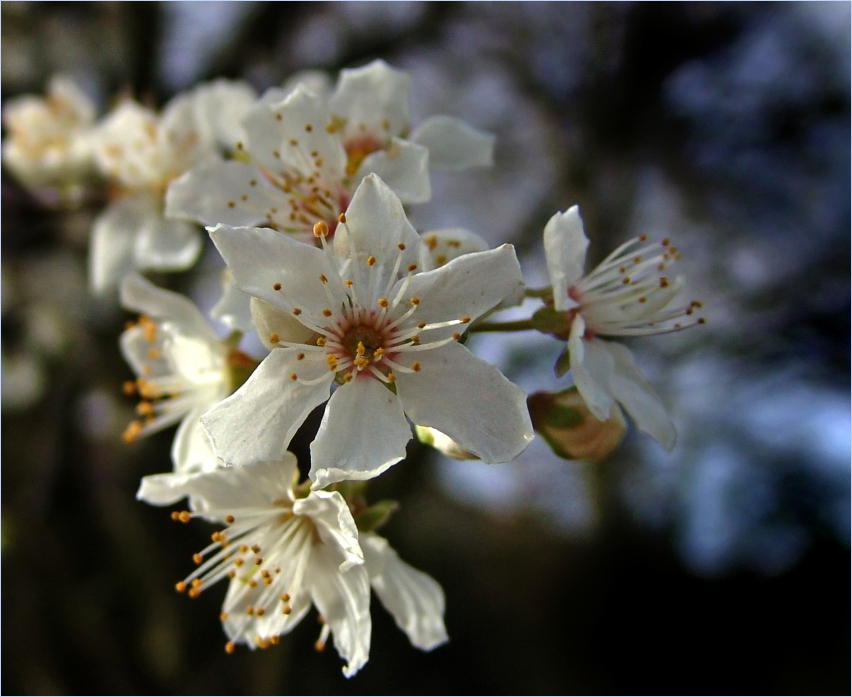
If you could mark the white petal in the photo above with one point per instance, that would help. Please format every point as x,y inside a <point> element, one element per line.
<point>303,119</point>
<point>220,106</point>
<point>415,599</point>
<point>404,167</point>
<point>191,451</point>
<point>334,523</point>
<point>260,258</point>
<point>565,246</point>
<point>229,488</point>
<point>469,400</point>
<point>233,308</point>
<point>142,296</point>
<point>447,244</point>
<point>165,489</point>
<point>136,350</point>
<point>376,223</point>
<point>316,81</point>
<point>258,421</point>
<point>632,389</point>
<point>592,367</point>
<point>269,320</point>
<point>370,97</point>
<point>166,245</point>
<point>343,599</point>
<point>469,285</point>
<point>363,433</point>
<point>113,238</point>
<point>222,192</point>
<point>454,145</point>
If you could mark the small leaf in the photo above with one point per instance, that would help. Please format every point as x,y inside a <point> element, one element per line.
<point>376,515</point>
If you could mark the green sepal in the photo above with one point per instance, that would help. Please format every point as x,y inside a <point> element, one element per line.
<point>563,364</point>
<point>547,320</point>
<point>424,435</point>
<point>559,416</point>
<point>376,515</point>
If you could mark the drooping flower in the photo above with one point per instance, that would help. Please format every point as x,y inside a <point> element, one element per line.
<point>283,549</point>
<point>49,139</point>
<point>140,153</point>
<point>627,294</point>
<point>367,319</point>
<point>183,369</point>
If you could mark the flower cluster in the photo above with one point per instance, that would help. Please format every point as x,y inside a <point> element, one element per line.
<point>303,192</point>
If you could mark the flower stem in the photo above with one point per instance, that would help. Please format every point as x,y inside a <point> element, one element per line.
<point>517,326</point>
<point>538,292</point>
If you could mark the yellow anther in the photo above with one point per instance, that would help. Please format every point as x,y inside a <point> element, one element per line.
<point>456,336</point>
<point>320,229</point>
<point>231,204</point>
<point>378,353</point>
<point>276,286</point>
<point>297,311</point>
<point>223,616</point>
<point>701,320</point>
<point>276,154</point>
<point>643,238</point>
<point>258,561</point>
<point>180,587</point>
<point>391,377</point>
<point>134,428</point>
<point>415,340</point>
<point>361,363</point>
<point>360,350</point>
<point>229,647</point>
<point>274,338</point>
<point>421,325</point>
<point>626,280</point>
<point>252,182</point>
<point>331,362</point>
<point>327,313</point>
<point>144,408</point>
<point>323,278</point>
<point>643,299</point>
<point>267,580</point>
<point>184,516</point>
<point>197,558</point>
<point>400,247</point>
<point>285,597</point>
<point>441,259</point>
<point>637,259</point>
<point>341,218</point>
<point>300,356</point>
<point>252,583</point>
<point>416,366</point>
<point>255,549</point>
<point>371,260</point>
<point>286,610</point>
<point>195,582</point>
<point>232,573</point>
<point>216,536</point>
<point>383,302</point>
<point>414,300</point>
<point>347,283</point>
<point>294,142</point>
<point>238,562</point>
<point>455,244</point>
<point>294,377</point>
<point>347,377</point>
<point>242,549</point>
<point>274,639</point>
<point>431,241</point>
<point>260,612</point>
<point>664,282</point>
<point>129,387</point>
<point>319,646</point>
<point>309,127</point>
<point>665,242</point>
<point>250,610</point>
<point>465,319</point>
<point>229,519</point>
<point>194,593</point>
<point>412,267</point>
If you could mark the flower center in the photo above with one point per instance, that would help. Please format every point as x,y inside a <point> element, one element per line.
<point>357,150</point>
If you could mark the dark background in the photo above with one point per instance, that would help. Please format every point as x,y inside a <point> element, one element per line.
<point>723,568</point>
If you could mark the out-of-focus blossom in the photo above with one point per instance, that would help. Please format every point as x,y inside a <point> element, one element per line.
<point>141,152</point>
<point>628,294</point>
<point>183,369</point>
<point>49,140</point>
<point>283,549</point>
<point>385,334</point>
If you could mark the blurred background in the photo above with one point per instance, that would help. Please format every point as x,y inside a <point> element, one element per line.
<point>721,568</point>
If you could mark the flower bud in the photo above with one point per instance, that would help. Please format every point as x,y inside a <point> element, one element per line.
<point>570,429</point>
<point>442,443</point>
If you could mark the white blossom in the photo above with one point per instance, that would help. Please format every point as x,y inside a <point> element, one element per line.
<point>368,320</point>
<point>627,294</point>
<point>282,552</point>
<point>183,369</point>
<point>141,152</point>
<point>49,139</point>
